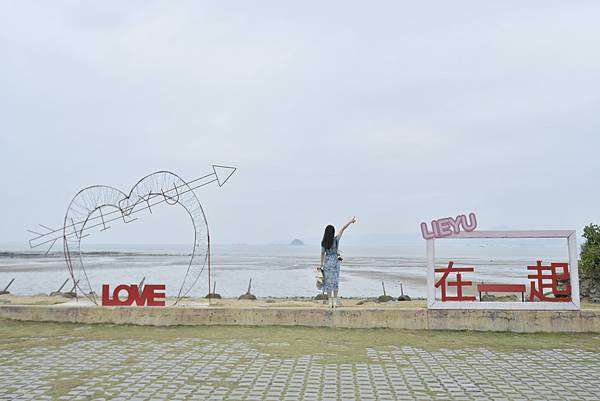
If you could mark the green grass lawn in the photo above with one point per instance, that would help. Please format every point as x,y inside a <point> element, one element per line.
<point>343,345</point>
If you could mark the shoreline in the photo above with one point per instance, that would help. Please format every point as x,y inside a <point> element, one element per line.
<point>264,302</point>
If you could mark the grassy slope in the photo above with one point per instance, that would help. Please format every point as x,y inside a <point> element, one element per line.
<point>339,344</point>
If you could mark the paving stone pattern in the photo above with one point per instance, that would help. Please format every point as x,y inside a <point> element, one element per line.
<point>191,369</point>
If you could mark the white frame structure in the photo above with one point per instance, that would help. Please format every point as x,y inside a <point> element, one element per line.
<point>570,236</point>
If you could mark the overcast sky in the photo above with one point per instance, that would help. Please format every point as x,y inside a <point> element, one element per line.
<point>396,112</point>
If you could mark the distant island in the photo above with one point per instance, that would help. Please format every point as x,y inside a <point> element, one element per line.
<point>296,242</point>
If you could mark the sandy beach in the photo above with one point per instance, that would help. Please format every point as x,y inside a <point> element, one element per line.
<point>292,302</point>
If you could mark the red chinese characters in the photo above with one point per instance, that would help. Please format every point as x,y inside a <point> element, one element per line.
<point>558,274</point>
<point>554,277</point>
<point>459,283</point>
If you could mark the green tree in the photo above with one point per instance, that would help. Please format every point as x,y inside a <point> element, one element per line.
<point>590,252</point>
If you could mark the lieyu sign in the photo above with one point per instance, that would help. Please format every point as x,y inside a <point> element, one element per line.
<point>449,226</point>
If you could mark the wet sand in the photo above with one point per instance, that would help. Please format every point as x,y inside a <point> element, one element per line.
<point>291,302</point>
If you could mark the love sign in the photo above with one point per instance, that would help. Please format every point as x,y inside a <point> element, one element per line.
<point>149,296</point>
<point>449,226</point>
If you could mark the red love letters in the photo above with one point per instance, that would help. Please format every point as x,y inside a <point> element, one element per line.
<point>148,297</point>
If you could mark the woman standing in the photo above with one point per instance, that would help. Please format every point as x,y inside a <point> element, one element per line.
<point>330,261</point>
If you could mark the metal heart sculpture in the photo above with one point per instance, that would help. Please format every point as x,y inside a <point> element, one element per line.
<point>98,205</point>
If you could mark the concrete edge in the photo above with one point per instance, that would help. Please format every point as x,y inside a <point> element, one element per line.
<point>413,319</point>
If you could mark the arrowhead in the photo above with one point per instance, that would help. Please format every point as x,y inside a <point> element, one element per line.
<point>223,173</point>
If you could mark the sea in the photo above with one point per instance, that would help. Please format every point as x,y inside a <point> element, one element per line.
<point>281,270</point>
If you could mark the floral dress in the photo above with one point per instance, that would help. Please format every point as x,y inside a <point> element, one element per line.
<point>331,267</point>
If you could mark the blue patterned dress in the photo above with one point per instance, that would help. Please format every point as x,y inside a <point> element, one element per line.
<point>331,267</point>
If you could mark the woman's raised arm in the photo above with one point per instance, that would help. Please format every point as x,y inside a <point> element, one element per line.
<point>346,226</point>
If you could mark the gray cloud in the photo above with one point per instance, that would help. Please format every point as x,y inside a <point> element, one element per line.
<point>392,111</point>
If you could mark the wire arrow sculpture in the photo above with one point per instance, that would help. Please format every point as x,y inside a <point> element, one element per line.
<point>220,175</point>
<point>96,206</point>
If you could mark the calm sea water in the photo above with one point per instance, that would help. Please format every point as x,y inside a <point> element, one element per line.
<point>283,270</point>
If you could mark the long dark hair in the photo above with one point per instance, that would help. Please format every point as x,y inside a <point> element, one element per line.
<point>327,242</point>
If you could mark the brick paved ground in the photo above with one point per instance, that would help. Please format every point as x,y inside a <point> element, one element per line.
<point>194,369</point>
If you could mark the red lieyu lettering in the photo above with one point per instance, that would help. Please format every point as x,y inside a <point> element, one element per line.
<point>148,297</point>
